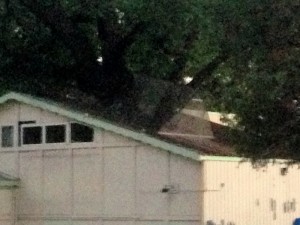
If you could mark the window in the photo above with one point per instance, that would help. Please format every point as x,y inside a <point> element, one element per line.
<point>55,134</point>
<point>32,135</point>
<point>81,133</point>
<point>7,137</point>
<point>20,128</point>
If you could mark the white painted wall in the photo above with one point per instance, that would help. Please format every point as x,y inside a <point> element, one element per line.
<point>238,194</point>
<point>112,181</point>
<point>7,207</point>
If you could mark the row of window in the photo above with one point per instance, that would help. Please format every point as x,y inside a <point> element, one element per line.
<point>29,133</point>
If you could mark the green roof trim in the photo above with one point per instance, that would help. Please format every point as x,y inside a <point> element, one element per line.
<point>8,182</point>
<point>222,158</point>
<point>241,159</point>
<point>99,123</point>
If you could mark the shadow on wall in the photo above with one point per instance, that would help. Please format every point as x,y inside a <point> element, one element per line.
<point>288,206</point>
<point>210,222</point>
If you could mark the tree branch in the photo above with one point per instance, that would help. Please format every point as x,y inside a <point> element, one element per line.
<point>177,96</point>
<point>181,61</point>
<point>205,72</point>
<point>69,33</point>
<point>102,29</point>
<point>6,16</point>
<point>81,18</point>
<point>129,38</point>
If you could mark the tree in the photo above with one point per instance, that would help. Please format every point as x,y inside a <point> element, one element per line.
<point>46,36</point>
<point>262,85</point>
<point>242,56</point>
<point>103,48</point>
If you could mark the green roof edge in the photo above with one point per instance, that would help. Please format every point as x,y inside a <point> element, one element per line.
<point>241,159</point>
<point>222,158</point>
<point>99,123</point>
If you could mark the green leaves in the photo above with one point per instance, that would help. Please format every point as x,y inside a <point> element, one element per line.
<point>243,56</point>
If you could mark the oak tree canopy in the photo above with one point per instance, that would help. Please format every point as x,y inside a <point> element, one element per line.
<point>242,57</point>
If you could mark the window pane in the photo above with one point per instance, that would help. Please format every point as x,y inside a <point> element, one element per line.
<point>81,133</point>
<point>32,135</point>
<point>7,136</point>
<point>20,128</point>
<point>55,134</point>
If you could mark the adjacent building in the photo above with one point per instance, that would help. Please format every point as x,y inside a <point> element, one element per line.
<point>61,165</point>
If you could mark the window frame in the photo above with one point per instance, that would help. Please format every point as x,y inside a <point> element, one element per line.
<point>28,126</point>
<point>22,123</point>
<point>67,136</point>
<point>43,143</point>
<point>14,142</point>
<point>59,124</point>
<point>80,142</point>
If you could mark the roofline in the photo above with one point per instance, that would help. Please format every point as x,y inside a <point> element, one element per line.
<point>222,158</point>
<point>240,159</point>
<point>99,123</point>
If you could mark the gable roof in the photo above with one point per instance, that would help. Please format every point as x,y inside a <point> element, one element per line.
<point>98,123</point>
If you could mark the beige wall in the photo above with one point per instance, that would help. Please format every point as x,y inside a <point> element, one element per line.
<point>239,194</point>
<point>107,184</point>
<point>112,181</point>
<point>7,209</point>
<point>117,181</point>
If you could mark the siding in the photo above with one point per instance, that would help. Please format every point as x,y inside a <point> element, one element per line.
<point>6,207</point>
<point>112,181</point>
<point>107,184</point>
<point>237,193</point>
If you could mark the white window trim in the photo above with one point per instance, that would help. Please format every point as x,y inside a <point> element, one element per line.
<point>44,145</point>
<point>68,133</point>
<point>14,135</point>
<point>22,132</point>
<point>80,143</point>
<point>43,126</point>
<point>56,124</point>
<point>43,135</point>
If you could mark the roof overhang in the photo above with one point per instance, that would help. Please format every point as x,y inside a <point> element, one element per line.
<point>99,123</point>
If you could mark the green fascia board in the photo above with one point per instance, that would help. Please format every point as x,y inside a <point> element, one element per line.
<point>99,123</point>
<point>222,158</point>
<point>241,159</point>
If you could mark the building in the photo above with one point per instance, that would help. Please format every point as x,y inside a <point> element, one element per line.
<point>67,167</point>
<point>63,166</point>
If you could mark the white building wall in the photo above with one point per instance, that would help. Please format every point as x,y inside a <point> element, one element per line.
<point>112,181</point>
<point>7,209</point>
<point>238,194</point>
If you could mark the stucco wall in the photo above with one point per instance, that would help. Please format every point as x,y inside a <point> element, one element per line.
<point>111,181</point>
<point>238,193</point>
